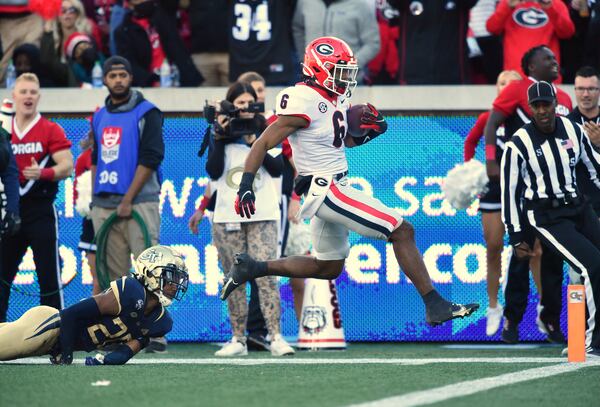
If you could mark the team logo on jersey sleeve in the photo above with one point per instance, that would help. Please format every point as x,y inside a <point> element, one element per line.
<point>324,49</point>
<point>111,143</point>
<point>322,107</point>
<point>530,17</point>
<point>562,110</point>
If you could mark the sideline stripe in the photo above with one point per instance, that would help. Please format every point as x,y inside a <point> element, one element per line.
<point>466,388</point>
<point>503,346</point>
<point>311,361</point>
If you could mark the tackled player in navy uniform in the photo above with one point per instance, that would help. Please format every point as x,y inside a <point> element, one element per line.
<point>125,316</point>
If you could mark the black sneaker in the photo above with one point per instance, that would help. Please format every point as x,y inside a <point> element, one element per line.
<point>510,332</point>
<point>553,331</point>
<point>239,274</point>
<point>442,311</point>
<point>157,345</point>
<point>258,343</point>
<point>593,354</point>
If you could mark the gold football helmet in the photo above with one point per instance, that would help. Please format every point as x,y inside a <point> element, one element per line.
<point>163,272</point>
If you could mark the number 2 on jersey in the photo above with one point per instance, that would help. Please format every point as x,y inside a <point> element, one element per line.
<point>247,21</point>
<point>109,337</point>
<point>339,130</point>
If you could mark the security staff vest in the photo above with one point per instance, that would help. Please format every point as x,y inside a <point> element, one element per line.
<point>118,138</point>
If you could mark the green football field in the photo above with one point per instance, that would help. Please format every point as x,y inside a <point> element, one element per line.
<point>363,375</point>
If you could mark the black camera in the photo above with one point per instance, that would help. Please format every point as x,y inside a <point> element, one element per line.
<point>238,127</point>
<point>228,109</point>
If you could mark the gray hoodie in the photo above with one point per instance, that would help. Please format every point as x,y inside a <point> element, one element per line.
<point>353,21</point>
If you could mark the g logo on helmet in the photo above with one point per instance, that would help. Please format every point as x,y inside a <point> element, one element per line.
<point>324,49</point>
<point>530,17</point>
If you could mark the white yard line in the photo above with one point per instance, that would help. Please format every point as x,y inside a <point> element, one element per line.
<point>502,346</point>
<point>308,361</point>
<point>466,388</point>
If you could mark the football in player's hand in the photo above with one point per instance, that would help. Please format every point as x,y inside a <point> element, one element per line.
<point>354,117</point>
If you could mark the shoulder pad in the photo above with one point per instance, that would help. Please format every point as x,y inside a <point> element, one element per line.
<point>130,293</point>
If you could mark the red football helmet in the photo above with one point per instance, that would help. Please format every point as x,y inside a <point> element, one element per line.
<point>332,64</point>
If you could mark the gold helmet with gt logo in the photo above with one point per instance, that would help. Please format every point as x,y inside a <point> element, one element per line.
<point>162,271</point>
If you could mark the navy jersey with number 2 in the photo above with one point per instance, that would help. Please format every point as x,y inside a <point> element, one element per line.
<point>130,323</point>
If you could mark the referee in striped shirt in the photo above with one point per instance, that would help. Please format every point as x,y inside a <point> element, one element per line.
<point>540,162</point>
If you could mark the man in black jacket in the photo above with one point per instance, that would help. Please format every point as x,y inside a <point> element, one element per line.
<point>148,35</point>
<point>210,40</point>
<point>433,41</point>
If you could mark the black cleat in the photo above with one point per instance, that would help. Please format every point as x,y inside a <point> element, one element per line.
<point>240,273</point>
<point>510,332</point>
<point>442,311</point>
<point>553,331</point>
<point>593,354</point>
<point>157,345</point>
<point>258,342</point>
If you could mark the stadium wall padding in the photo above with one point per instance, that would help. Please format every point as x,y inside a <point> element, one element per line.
<point>404,168</point>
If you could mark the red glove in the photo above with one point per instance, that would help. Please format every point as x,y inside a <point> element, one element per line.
<point>373,120</point>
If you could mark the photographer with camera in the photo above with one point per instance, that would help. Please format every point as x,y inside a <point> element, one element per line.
<point>236,128</point>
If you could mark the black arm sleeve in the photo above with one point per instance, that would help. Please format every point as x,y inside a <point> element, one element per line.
<point>273,165</point>
<point>215,164</point>
<point>94,147</point>
<point>119,356</point>
<point>71,320</point>
<point>152,145</point>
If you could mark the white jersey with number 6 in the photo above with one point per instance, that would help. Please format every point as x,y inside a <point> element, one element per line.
<point>319,147</point>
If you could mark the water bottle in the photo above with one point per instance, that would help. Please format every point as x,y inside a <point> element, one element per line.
<point>174,76</point>
<point>97,75</point>
<point>11,75</point>
<point>165,74</point>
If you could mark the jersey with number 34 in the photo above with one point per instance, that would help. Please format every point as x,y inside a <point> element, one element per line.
<point>319,147</point>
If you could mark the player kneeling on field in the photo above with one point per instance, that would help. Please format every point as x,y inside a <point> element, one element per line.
<point>127,314</point>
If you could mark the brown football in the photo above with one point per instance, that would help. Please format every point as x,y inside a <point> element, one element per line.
<point>353,116</point>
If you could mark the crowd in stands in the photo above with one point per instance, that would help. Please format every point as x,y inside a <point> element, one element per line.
<point>211,42</point>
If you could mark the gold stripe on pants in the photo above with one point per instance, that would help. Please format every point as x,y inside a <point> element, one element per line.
<point>34,334</point>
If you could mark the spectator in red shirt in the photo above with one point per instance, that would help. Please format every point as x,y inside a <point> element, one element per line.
<point>491,219</point>
<point>526,24</point>
<point>43,157</point>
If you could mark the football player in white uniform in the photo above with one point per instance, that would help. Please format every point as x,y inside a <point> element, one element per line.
<point>313,115</point>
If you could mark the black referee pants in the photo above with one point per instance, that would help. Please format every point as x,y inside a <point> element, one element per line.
<point>573,234</point>
<point>516,293</point>
<point>38,230</point>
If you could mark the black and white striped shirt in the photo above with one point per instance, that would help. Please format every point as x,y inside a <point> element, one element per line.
<point>542,166</point>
